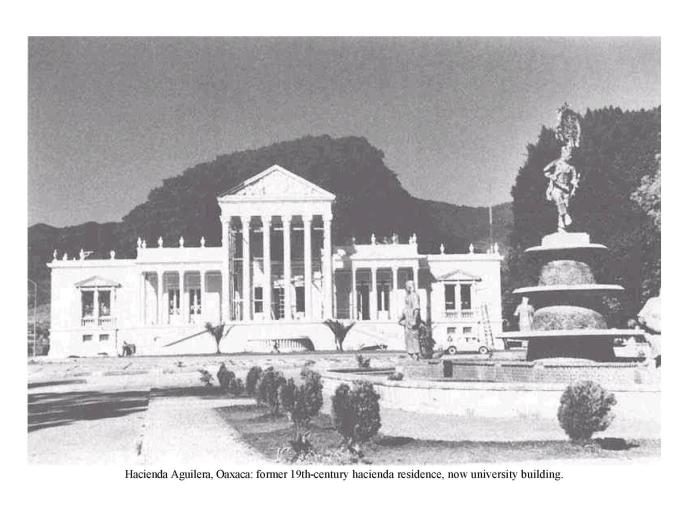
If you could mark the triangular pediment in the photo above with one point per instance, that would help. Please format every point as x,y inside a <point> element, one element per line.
<point>96,282</point>
<point>459,275</point>
<point>277,182</point>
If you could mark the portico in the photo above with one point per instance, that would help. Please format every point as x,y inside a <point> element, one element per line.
<point>278,281</point>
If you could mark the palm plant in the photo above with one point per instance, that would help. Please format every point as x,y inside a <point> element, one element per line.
<point>217,331</point>
<point>339,330</point>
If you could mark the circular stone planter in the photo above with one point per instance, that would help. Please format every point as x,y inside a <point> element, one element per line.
<point>568,318</point>
<point>566,272</point>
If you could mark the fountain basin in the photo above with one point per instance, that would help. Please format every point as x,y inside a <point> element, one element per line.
<point>588,289</point>
<point>511,410</point>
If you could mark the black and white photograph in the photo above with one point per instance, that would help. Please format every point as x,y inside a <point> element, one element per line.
<point>268,258</point>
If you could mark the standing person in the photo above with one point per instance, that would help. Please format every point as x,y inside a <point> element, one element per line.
<point>411,320</point>
<point>525,312</point>
<point>649,319</point>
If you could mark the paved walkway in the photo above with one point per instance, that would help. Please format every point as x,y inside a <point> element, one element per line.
<point>188,431</point>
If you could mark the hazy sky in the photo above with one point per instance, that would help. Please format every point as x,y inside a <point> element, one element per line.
<point>109,118</point>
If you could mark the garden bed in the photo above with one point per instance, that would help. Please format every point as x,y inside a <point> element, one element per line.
<point>269,434</point>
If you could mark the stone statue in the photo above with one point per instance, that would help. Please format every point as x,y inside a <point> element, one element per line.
<point>411,320</point>
<point>563,179</point>
<point>525,312</point>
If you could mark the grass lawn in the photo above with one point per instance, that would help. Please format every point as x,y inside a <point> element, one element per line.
<point>268,434</point>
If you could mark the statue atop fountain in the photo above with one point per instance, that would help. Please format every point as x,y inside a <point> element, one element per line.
<point>563,179</point>
<point>565,314</point>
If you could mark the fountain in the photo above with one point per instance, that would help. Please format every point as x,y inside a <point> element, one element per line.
<point>569,320</point>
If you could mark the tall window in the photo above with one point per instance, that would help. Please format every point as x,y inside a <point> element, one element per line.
<point>300,303</point>
<point>195,301</point>
<point>258,299</point>
<point>173,301</point>
<point>383,297</point>
<point>103,302</point>
<point>87,304</point>
<point>450,302</point>
<point>465,295</point>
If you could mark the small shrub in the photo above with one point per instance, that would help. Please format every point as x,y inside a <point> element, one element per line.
<point>314,389</point>
<point>224,376</point>
<point>287,395</point>
<point>206,377</point>
<point>252,378</point>
<point>302,402</point>
<point>267,390</point>
<point>236,386</point>
<point>585,409</point>
<point>363,362</point>
<point>396,376</point>
<point>356,414</point>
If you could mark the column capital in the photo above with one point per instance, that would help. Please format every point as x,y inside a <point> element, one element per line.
<point>307,218</point>
<point>266,219</point>
<point>327,218</point>
<point>245,219</point>
<point>286,218</point>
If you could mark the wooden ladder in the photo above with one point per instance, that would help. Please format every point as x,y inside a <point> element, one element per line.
<point>487,329</point>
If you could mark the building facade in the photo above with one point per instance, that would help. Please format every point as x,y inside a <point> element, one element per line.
<point>273,282</point>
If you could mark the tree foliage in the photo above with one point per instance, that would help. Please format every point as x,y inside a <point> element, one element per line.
<point>617,155</point>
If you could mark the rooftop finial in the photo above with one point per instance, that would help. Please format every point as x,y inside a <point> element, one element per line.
<point>471,248</point>
<point>373,238</point>
<point>412,239</point>
<point>112,254</point>
<point>442,248</point>
<point>82,255</point>
<point>495,248</point>
<point>181,241</point>
<point>143,244</point>
<point>64,257</point>
<point>160,241</point>
<point>395,238</point>
<point>203,241</point>
<point>138,242</point>
<point>55,254</point>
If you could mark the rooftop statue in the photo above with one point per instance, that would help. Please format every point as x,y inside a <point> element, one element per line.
<point>563,179</point>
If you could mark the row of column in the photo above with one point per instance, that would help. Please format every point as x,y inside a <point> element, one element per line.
<point>162,301</point>
<point>374,286</point>
<point>266,221</point>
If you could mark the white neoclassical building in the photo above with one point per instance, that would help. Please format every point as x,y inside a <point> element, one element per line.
<point>274,281</point>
